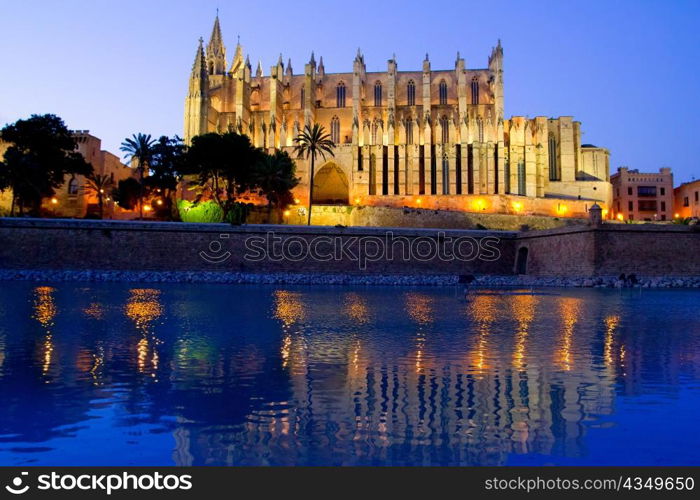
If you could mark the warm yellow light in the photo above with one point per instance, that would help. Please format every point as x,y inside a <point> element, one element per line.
<point>147,208</point>
<point>357,201</point>
<point>620,217</point>
<point>419,201</point>
<point>605,213</point>
<point>287,213</point>
<point>296,201</point>
<point>159,202</point>
<point>675,216</point>
<point>480,204</point>
<point>102,191</point>
<point>517,206</point>
<point>562,209</point>
<point>54,201</point>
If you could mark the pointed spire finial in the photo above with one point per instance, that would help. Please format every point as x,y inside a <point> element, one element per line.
<point>259,71</point>
<point>289,66</point>
<point>313,59</point>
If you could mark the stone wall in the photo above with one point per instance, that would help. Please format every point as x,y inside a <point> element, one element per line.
<point>577,251</point>
<point>378,216</point>
<point>614,249</point>
<point>61,244</point>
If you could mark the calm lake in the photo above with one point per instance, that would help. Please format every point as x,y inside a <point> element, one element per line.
<point>127,374</point>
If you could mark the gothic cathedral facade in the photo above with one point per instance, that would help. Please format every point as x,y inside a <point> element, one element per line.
<point>430,138</point>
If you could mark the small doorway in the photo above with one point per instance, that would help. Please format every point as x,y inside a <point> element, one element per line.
<point>521,261</point>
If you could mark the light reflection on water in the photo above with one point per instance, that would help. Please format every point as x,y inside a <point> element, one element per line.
<point>216,375</point>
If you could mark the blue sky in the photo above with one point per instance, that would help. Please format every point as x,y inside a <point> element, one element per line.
<point>628,70</point>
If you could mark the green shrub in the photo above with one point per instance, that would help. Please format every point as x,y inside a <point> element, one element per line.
<point>202,212</point>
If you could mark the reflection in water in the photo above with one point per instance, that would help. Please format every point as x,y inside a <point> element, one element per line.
<point>44,313</point>
<point>259,375</point>
<point>523,310</point>
<point>144,308</point>
<point>569,311</point>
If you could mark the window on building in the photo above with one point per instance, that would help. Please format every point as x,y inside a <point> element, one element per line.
<point>340,95</point>
<point>686,202</point>
<point>647,205</point>
<point>411,93</point>
<point>629,191</point>
<point>696,197</point>
<point>445,175</point>
<point>554,172</point>
<point>646,191</point>
<point>662,191</point>
<point>409,131</point>
<point>630,206</point>
<point>378,94</point>
<point>335,130</point>
<point>73,186</point>
<point>443,92</point>
<point>301,97</point>
<point>445,126</point>
<point>663,206</point>
<point>475,90</point>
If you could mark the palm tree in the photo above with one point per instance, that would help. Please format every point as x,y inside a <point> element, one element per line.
<point>309,143</point>
<point>274,177</point>
<point>100,185</point>
<point>140,148</point>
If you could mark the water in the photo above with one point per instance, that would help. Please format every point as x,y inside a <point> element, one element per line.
<point>117,374</point>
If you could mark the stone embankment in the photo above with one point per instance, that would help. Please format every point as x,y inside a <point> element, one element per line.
<point>482,281</point>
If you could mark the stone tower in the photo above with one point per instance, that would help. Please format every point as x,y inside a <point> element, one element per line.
<point>197,101</point>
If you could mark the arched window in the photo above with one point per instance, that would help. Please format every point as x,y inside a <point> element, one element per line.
<point>302,95</point>
<point>443,92</point>
<point>475,90</point>
<point>378,94</point>
<point>480,128</point>
<point>340,95</point>
<point>335,130</point>
<point>445,126</point>
<point>411,93</point>
<point>73,186</point>
<point>445,174</point>
<point>554,173</point>
<point>409,131</point>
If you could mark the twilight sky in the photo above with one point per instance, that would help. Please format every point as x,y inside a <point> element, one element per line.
<point>628,70</point>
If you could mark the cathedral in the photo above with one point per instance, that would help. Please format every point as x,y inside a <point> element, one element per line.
<point>431,138</point>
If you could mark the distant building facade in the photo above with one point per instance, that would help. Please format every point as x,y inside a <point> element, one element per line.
<point>435,136</point>
<point>687,200</point>
<point>73,199</point>
<point>642,196</point>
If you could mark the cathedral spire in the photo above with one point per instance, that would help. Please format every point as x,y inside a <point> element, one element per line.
<point>237,58</point>
<point>216,52</point>
<point>321,68</point>
<point>312,61</point>
<point>289,67</point>
<point>199,67</point>
<point>259,71</point>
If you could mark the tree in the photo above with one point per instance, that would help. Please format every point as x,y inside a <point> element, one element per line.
<point>274,178</point>
<point>126,194</point>
<point>100,185</point>
<point>139,148</point>
<point>167,168</point>
<point>224,165</point>
<point>41,155</point>
<point>311,142</point>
